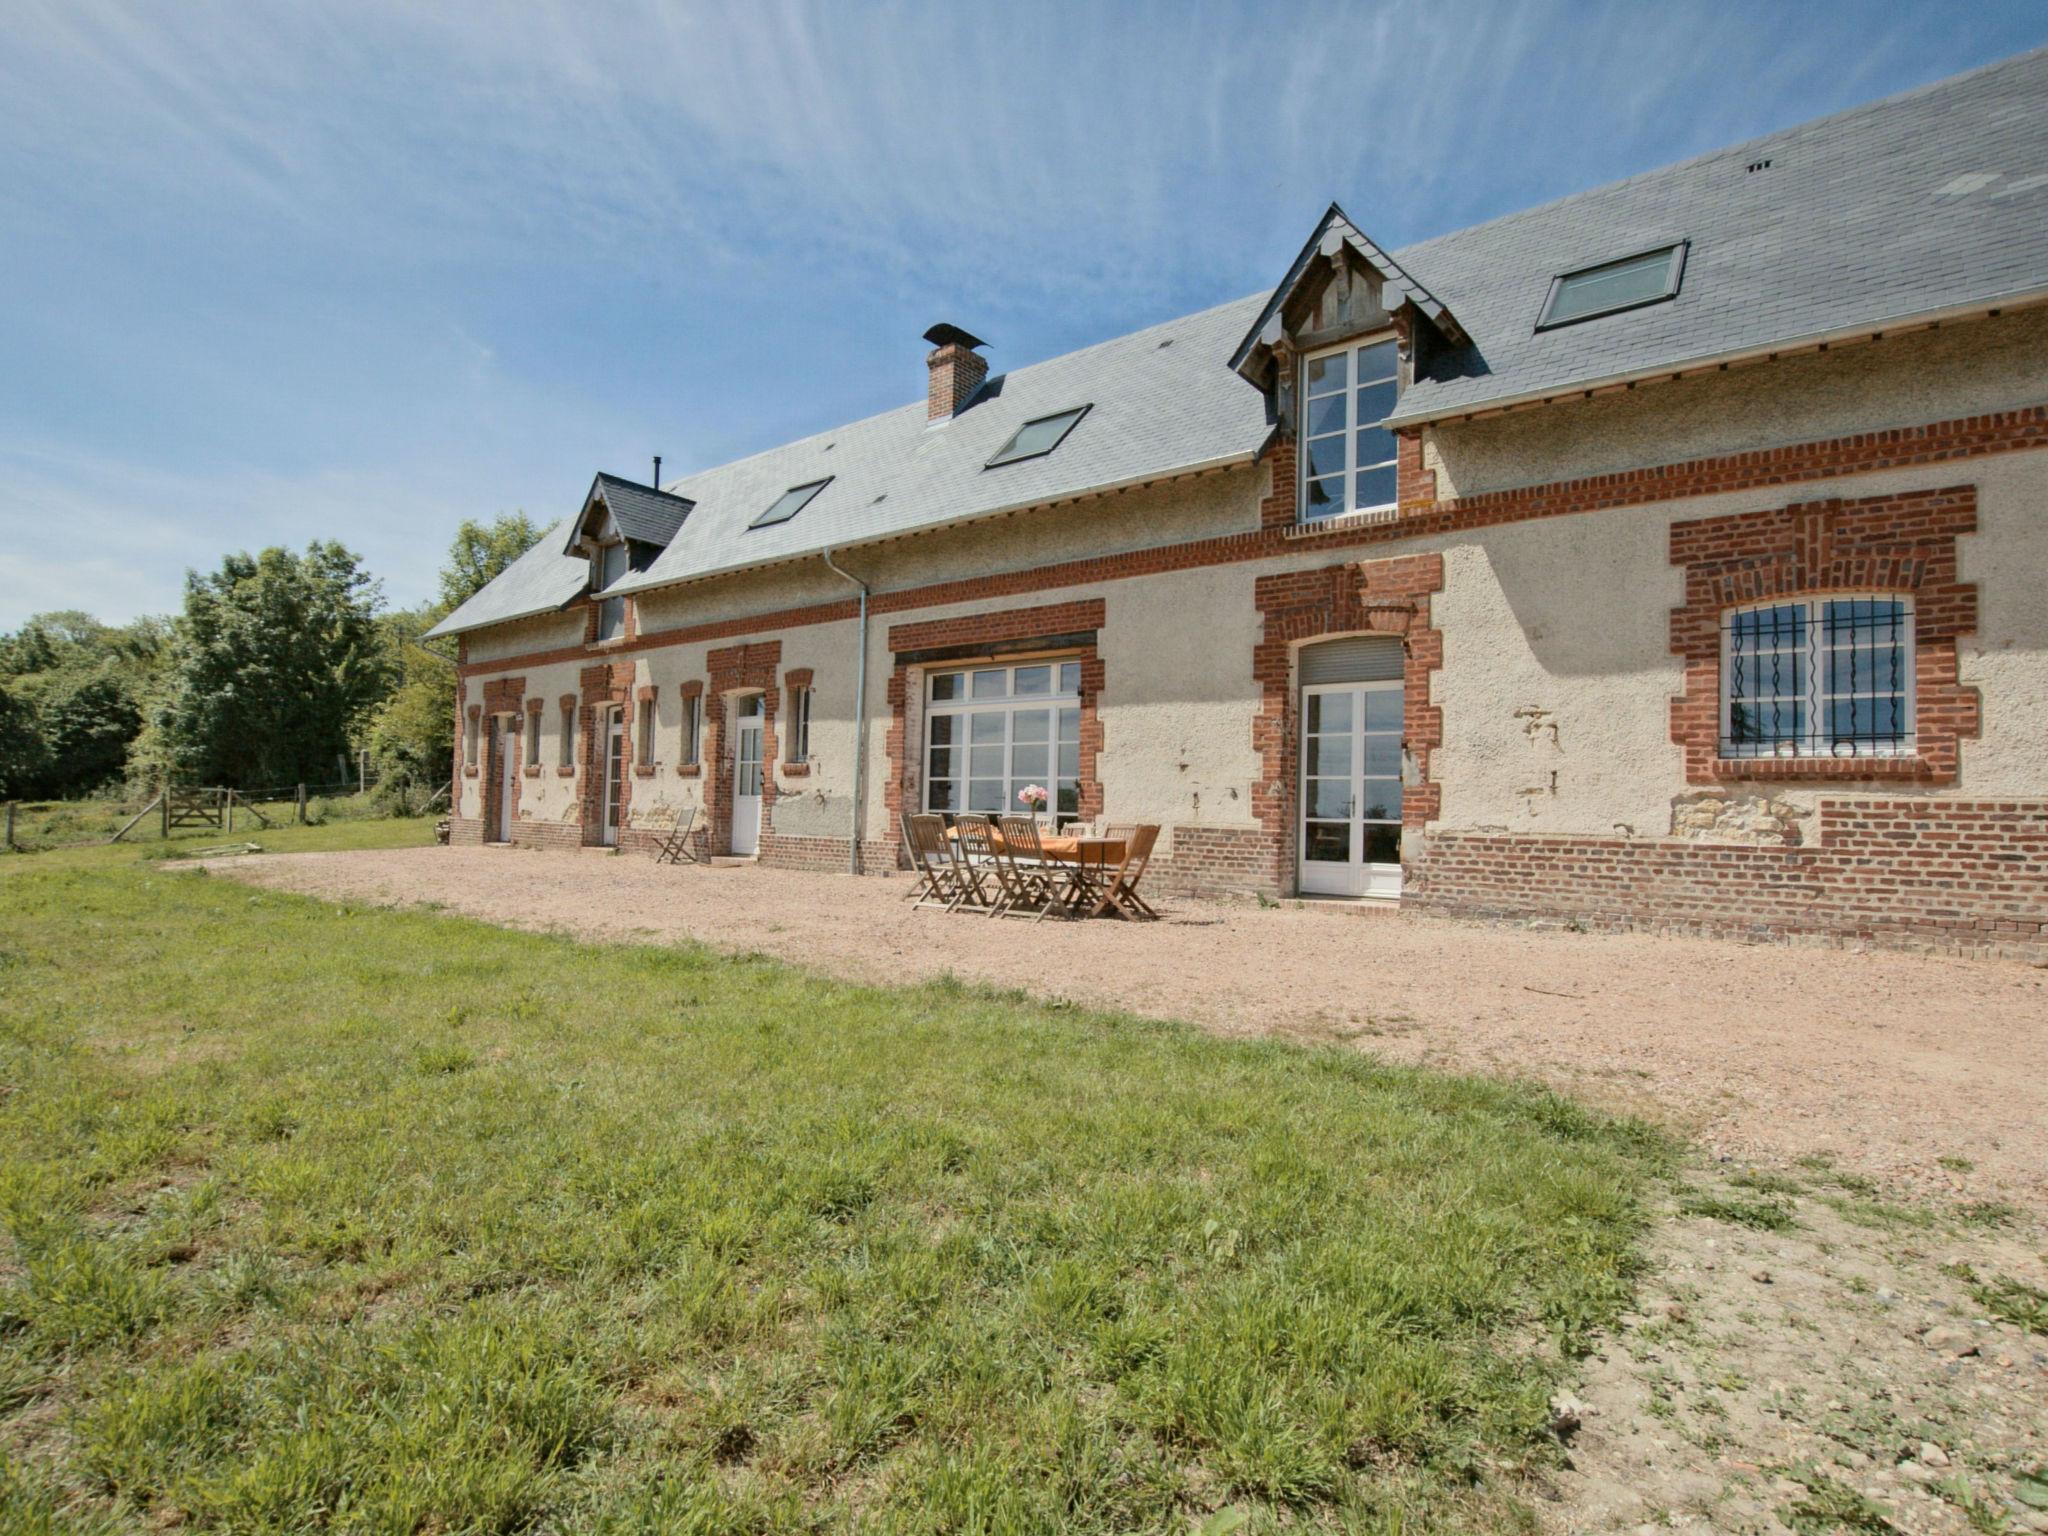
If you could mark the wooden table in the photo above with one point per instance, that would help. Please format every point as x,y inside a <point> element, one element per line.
<point>1094,859</point>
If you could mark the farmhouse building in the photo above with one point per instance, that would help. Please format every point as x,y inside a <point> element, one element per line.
<point>1672,555</point>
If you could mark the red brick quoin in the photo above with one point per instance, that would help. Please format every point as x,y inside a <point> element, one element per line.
<point>1903,544</point>
<point>905,746</point>
<point>603,685</point>
<point>502,696</point>
<point>1370,597</point>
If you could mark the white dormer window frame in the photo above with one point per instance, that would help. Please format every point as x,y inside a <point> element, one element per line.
<point>1347,456</point>
<point>609,563</point>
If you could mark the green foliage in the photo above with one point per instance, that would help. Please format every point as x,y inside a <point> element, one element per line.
<point>479,552</point>
<point>412,737</point>
<point>273,663</point>
<point>318,1217</point>
<point>72,696</point>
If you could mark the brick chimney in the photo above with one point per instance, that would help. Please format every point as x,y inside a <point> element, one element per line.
<point>956,370</point>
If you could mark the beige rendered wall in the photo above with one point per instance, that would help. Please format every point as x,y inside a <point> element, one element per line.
<point>1557,671</point>
<point>1966,369</point>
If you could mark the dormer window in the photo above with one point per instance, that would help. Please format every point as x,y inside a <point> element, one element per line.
<point>1347,456</point>
<point>608,565</point>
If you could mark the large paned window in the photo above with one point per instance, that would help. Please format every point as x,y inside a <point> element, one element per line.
<point>993,732</point>
<point>1347,457</point>
<point>1822,677</point>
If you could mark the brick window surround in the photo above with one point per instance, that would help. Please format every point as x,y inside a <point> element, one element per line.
<point>1069,628</point>
<point>1902,544</point>
<point>606,684</point>
<point>738,669</point>
<point>795,678</point>
<point>1369,597</point>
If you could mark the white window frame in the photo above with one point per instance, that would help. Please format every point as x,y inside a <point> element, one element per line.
<point>611,611</point>
<point>532,723</point>
<point>1815,697</point>
<point>1011,704</point>
<point>693,728</point>
<point>799,726</point>
<point>646,720</point>
<point>1351,350</point>
<point>568,743</point>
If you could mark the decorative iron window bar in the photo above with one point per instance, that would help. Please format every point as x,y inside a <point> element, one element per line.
<point>1827,677</point>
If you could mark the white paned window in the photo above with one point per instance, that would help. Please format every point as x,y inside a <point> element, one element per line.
<point>643,732</point>
<point>799,725</point>
<point>611,564</point>
<point>693,709</point>
<point>1821,677</point>
<point>533,735</point>
<point>993,732</point>
<point>1347,456</point>
<point>568,759</point>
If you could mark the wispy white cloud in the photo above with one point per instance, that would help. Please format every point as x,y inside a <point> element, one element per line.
<point>358,269</point>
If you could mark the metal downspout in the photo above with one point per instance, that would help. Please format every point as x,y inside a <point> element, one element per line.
<point>860,721</point>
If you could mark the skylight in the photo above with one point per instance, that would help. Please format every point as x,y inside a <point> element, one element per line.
<point>1037,438</point>
<point>789,503</point>
<point>1613,286</point>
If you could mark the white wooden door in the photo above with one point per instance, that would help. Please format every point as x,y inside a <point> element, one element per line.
<point>746,779</point>
<point>508,777</point>
<point>614,776</point>
<point>1351,789</point>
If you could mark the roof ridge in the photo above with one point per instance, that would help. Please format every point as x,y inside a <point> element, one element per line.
<point>1862,109</point>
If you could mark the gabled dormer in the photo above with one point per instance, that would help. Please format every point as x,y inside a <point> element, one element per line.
<point>1344,333</point>
<point>623,527</point>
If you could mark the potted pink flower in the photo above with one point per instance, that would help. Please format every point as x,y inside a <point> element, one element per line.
<point>1033,797</point>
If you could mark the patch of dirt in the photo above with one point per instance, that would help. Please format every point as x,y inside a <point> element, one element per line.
<point>1841,1373</point>
<point>1835,1376</point>
<point>1889,1063</point>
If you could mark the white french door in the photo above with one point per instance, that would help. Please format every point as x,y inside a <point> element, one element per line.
<point>614,776</point>
<point>1351,789</point>
<point>508,777</point>
<point>746,779</point>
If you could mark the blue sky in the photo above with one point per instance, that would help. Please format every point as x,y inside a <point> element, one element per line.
<point>278,271</point>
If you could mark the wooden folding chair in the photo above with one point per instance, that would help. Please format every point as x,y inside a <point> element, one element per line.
<point>1121,895</point>
<point>974,856</point>
<point>673,846</point>
<point>1037,885</point>
<point>932,861</point>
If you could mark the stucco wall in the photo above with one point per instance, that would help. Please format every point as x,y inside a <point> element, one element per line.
<point>548,632</point>
<point>1557,669</point>
<point>1960,370</point>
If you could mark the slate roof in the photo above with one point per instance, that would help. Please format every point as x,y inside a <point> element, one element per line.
<point>1927,202</point>
<point>1931,200</point>
<point>643,513</point>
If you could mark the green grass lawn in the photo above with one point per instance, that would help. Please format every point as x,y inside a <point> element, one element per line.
<point>41,825</point>
<point>324,1218</point>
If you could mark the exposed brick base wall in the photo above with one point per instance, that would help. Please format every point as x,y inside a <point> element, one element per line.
<point>1206,860</point>
<point>1961,877</point>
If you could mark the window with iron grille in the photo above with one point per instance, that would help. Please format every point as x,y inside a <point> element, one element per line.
<point>1821,677</point>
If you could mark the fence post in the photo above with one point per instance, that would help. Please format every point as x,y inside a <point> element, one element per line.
<point>10,826</point>
<point>164,804</point>
<point>228,811</point>
<point>301,811</point>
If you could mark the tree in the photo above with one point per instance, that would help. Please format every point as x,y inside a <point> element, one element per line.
<point>273,666</point>
<point>479,552</point>
<point>75,691</point>
<point>412,737</point>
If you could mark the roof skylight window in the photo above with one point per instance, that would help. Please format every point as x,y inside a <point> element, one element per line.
<point>1612,286</point>
<point>789,503</point>
<point>1035,439</point>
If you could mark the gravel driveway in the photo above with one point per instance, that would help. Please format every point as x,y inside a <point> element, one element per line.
<point>1884,1061</point>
